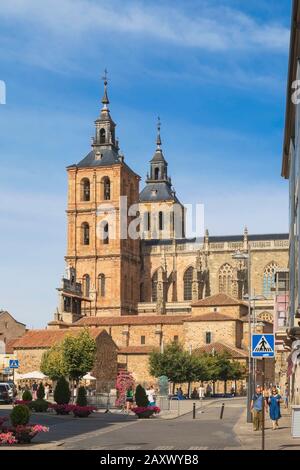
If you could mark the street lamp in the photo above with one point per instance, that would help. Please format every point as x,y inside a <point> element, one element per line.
<point>247,256</point>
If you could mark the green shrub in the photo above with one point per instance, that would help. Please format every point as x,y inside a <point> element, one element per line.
<point>62,393</point>
<point>40,405</point>
<point>81,397</point>
<point>27,395</point>
<point>141,397</point>
<point>40,392</point>
<point>20,415</point>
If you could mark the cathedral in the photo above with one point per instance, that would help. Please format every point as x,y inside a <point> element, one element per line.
<point>160,286</point>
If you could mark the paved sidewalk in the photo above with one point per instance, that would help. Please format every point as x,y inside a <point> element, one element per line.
<point>280,439</point>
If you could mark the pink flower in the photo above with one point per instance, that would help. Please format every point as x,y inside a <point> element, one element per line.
<point>39,428</point>
<point>7,438</point>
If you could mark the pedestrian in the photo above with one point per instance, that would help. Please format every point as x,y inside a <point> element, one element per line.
<point>150,392</point>
<point>257,404</point>
<point>274,407</point>
<point>129,398</point>
<point>286,395</point>
<point>195,394</point>
<point>34,390</point>
<point>47,390</point>
<point>180,393</point>
<point>201,392</point>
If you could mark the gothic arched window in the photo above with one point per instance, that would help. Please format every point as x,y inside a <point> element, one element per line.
<point>86,285</point>
<point>102,136</point>
<point>85,233</point>
<point>106,188</point>
<point>187,284</point>
<point>225,279</point>
<point>269,278</point>
<point>101,285</point>
<point>154,287</point>
<point>85,189</point>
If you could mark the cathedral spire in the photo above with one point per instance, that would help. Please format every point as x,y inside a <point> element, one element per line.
<point>158,139</point>
<point>105,99</point>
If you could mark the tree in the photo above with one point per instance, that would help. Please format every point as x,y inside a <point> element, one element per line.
<point>40,391</point>
<point>62,393</point>
<point>52,363</point>
<point>141,398</point>
<point>81,397</point>
<point>78,353</point>
<point>177,364</point>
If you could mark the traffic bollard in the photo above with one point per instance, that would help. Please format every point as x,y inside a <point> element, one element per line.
<point>222,411</point>
<point>194,410</point>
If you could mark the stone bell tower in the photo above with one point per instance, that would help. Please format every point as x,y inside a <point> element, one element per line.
<point>106,259</point>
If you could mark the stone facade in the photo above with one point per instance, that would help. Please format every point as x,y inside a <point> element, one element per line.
<point>10,329</point>
<point>157,280</point>
<point>30,348</point>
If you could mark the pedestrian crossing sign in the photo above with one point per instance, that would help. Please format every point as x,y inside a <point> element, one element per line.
<point>263,346</point>
<point>14,364</point>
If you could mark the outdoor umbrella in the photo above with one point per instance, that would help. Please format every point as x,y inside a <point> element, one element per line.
<point>35,375</point>
<point>88,376</point>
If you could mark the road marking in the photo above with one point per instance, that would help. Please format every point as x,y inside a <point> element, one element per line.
<point>130,448</point>
<point>91,434</point>
<point>164,448</point>
<point>198,448</point>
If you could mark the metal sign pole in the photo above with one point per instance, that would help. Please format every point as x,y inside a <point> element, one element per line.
<point>263,407</point>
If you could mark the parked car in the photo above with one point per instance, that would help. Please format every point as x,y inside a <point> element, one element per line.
<point>5,394</point>
<point>13,388</point>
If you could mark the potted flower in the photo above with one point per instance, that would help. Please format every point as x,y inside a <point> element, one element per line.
<point>21,431</point>
<point>81,409</point>
<point>62,395</point>
<point>143,410</point>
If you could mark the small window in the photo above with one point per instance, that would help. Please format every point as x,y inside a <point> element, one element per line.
<point>106,188</point>
<point>215,309</point>
<point>102,136</point>
<point>156,173</point>
<point>176,339</point>
<point>105,233</point>
<point>85,228</point>
<point>85,189</point>
<point>143,340</point>
<point>161,220</point>
<point>6,325</point>
<point>208,337</point>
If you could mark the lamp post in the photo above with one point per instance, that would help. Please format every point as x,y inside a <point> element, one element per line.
<point>247,256</point>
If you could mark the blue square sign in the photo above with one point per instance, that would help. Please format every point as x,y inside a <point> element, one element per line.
<point>263,345</point>
<point>14,364</point>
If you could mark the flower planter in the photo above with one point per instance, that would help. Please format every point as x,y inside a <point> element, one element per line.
<point>82,411</point>
<point>145,414</point>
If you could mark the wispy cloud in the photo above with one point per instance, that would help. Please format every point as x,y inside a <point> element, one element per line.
<point>218,29</point>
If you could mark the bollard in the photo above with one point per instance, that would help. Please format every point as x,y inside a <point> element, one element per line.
<point>222,411</point>
<point>194,410</point>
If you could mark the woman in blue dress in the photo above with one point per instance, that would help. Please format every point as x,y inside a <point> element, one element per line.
<point>274,407</point>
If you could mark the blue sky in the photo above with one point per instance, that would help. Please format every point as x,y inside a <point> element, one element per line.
<point>214,70</point>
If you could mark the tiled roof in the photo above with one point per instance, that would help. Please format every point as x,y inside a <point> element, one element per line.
<point>136,350</point>
<point>132,320</point>
<point>218,300</point>
<point>221,348</point>
<point>212,316</point>
<point>47,338</point>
